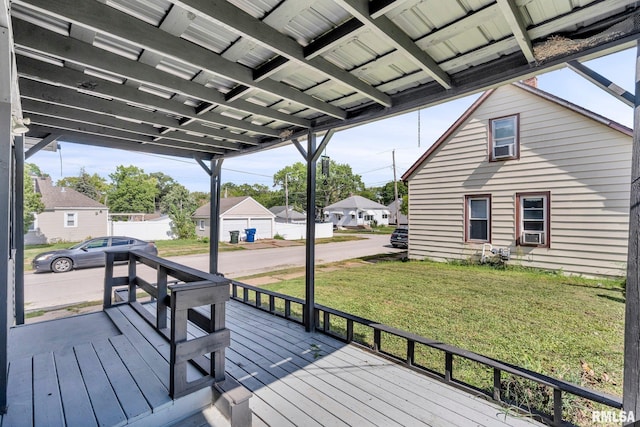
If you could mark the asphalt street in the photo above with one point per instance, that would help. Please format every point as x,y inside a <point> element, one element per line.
<point>48,290</point>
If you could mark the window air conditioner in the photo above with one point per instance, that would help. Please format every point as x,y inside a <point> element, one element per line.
<point>503,151</point>
<point>532,238</point>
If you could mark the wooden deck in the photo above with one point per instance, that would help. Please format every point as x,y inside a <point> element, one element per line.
<point>310,379</point>
<point>102,369</point>
<point>110,369</point>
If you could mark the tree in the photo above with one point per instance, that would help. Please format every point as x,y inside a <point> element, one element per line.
<point>261,193</point>
<point>340,184</point>
<point>201,197</point>
<point>387,192</point>
<point>404,208</point>
<point>32,204</point>
<point>93,186</point>
<point>180,205</point>
<point>164,184</point>
<point>132,190</point>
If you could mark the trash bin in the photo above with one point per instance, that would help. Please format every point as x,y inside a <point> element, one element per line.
<point>234,236</point>
<point>251,234</point>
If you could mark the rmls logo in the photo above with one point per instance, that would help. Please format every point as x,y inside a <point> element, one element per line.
<point>612,417</point>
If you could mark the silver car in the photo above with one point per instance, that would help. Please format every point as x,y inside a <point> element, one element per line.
<point>89,253</point>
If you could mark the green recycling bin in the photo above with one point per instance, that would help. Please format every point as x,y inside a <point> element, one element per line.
<point>234,236</point>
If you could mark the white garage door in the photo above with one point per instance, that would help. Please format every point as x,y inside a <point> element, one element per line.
<point>264,227</point>
<point>231,225</point>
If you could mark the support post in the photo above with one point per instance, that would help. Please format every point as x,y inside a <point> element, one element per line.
<point>18,228</point>
<point>6,184</point>
<point>310,300</point>
<point>214,215</point>
<point>631,386</point>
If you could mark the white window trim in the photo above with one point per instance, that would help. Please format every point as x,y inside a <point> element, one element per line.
<point>468,218</point>
<point>75,219</point>
<point>493,143</point>
<point>201,224</point>
<point>546,220</point>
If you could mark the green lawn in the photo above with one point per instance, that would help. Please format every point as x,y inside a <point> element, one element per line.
<point>542,321</point>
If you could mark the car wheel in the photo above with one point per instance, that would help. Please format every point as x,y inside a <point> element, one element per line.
<point>61,265</point>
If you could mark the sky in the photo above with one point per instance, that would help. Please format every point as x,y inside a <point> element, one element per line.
<point>366,148</point>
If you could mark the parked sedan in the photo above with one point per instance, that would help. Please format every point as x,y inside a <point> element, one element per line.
<point>90,253</point>
<point>400,238</point>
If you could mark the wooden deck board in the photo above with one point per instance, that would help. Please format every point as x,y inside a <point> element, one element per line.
<point>359,372</point>
<point>47,406</point>
<point>75,399</point>
<point>156,394</point>
<point>131,399</point>
<point>156,362</point>
<point>104,400</point>
<point>20,394</point>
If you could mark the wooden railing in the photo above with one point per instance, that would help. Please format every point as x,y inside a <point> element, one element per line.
<point>280,305</point>
<point>178,290</point>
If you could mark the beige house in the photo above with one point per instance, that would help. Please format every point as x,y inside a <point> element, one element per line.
<point>237,214</point>
<point>68,216</point>
<point>524,171</point>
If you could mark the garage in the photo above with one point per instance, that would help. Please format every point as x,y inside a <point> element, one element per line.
<point>236,213</point>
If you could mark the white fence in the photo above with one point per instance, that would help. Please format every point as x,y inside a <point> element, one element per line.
<point>299,231</point>
<point>145,230</point>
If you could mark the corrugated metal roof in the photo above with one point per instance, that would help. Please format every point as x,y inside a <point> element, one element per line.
<point>246,68</point>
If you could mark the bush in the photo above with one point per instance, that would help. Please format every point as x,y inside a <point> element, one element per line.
<point>278,237</point>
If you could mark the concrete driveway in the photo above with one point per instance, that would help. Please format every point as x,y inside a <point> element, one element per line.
<point>49,290</point>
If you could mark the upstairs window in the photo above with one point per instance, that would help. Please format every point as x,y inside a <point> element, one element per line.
<point>201,224</point>
<point>533,219</point>
<point>478,218</point>
<point>504,143</point>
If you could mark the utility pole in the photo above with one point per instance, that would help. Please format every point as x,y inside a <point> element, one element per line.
<point>286,197</point>
<point>395,187</point>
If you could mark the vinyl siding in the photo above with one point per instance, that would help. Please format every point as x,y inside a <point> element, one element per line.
<point>584,164</point>
<point>91,223</point>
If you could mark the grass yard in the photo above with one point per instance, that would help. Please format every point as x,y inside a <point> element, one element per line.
<point>566,327</point>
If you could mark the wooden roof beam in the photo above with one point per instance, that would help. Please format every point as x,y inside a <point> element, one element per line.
<point>229,15</point>
<point>107,20</point>
<point>515,21</point>
<point>38,39</point>
<point>389,31</point>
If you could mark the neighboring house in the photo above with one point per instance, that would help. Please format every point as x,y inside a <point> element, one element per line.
<point>284,214</point>
<point>396,207</point>
<point>356,210</point>
<point>524,170</point>
<point>237,214</point>
<point>68,216</point>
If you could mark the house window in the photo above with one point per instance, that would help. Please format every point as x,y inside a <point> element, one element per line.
<point>201,224</point>
<point>533,219</point>
<point>70,219</point>
<point>34,224</point>
<point>360,215</point>
<point>385,216</point>
<point>368,217</point>
<point>478,218</point>
<point>504,143</point>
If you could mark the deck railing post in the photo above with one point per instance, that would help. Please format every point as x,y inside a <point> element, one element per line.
<point>377,339</point>
<point>108,280</point>
<point>161,305</point>
<point>497,383</point>
<point>448,367</point>
<point>557,407</point>
<point>411,349</point>
<point>132,278</point>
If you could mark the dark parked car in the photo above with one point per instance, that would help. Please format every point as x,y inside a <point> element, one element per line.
<point>89,253</point>
<point>400,238</point>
